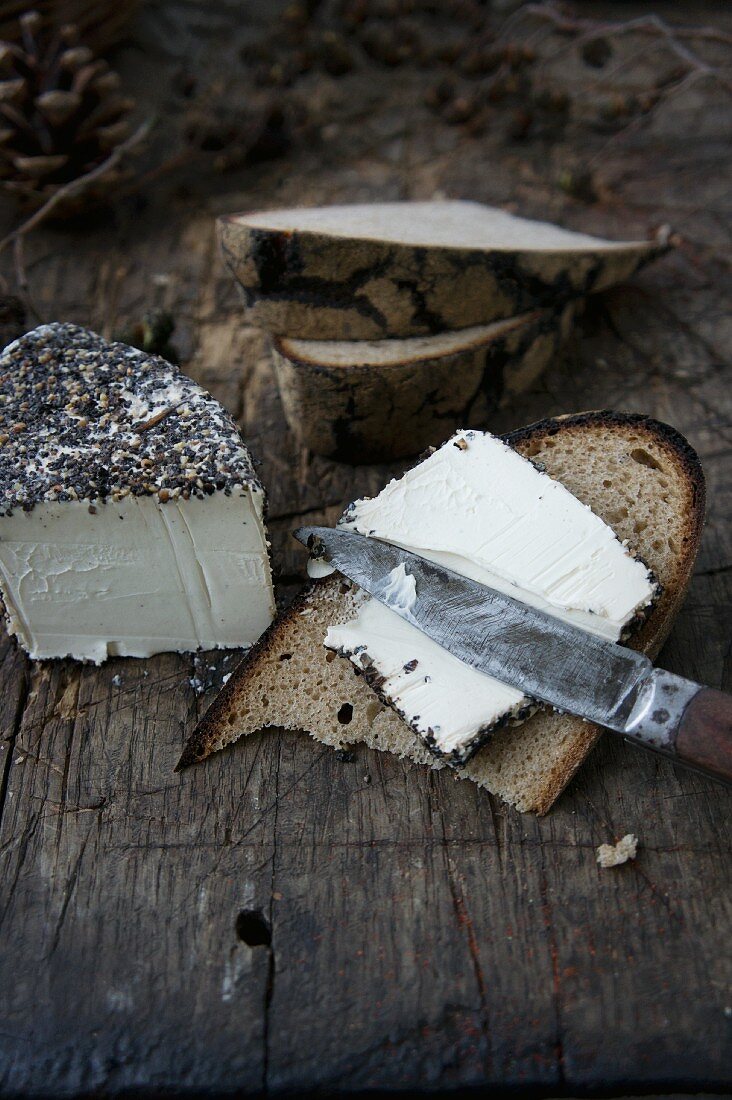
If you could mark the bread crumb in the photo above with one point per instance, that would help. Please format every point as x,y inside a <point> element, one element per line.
<point>611,855</point>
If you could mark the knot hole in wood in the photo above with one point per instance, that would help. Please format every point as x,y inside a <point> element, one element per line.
<point>253,929</point>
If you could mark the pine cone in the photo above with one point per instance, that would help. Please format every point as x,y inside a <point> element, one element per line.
<point>61,113</point>
<point>101,23</point>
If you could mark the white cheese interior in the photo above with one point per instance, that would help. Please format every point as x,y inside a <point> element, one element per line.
<point>454,224</point>
<point>137,577</point>
<point>431,688</point>
<point>485,512</point>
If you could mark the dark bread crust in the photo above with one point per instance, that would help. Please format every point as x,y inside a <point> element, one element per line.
<point>669,438</point>
<point>206,737</point>
<point>653,633</point>
<point>213,732</point>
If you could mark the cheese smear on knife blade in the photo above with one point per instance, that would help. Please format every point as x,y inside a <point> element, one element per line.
<point>479,508</point>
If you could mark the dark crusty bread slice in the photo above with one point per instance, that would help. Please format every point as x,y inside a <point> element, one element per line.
<point>378,400</point>
<point>377,270</point>
<point>639,475</point>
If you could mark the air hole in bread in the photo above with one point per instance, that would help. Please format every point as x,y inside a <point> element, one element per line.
<point>330,656</point>
<point>231,720</point>
<point>617,515</point>
<point>252,928</point>
<point>265,701</point>
<point>643,458</point>
<point>285,656</point>
<point>607,483</point>
<point>345,714</point>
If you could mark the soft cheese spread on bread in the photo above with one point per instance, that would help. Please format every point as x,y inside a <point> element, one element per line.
<point>131,518</point>
<point>479,508</point>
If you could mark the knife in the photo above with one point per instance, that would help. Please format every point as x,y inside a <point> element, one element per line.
<point>546,658</point>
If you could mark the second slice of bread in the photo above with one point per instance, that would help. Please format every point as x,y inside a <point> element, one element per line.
<point>639,475</point>
<point>378,400</point>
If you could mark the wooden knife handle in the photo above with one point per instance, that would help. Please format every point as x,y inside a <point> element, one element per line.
<point>704,739</point>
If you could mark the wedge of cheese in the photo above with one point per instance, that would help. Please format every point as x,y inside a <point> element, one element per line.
<point>479,508</point>
<point>131,518</point>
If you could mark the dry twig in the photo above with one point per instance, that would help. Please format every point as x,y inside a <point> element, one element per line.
<point>645,24</point>
<point>68,191</point>
<point>79,185</point>
<point>21,277</point>
<point>651,24</point>
<point>162,415</point>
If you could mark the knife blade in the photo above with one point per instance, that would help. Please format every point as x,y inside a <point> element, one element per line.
<point>545,657</point>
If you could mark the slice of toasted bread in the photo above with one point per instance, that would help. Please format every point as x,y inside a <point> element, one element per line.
<point>639,475</point>
<point>375,401</point>
<point>377,270</point>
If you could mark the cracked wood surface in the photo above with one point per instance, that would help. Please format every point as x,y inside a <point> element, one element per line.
<point>422,934</point>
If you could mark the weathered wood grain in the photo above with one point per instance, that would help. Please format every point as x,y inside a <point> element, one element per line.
<point>422,935</point>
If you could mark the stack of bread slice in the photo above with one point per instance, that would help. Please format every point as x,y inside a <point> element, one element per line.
<point>394,323</point>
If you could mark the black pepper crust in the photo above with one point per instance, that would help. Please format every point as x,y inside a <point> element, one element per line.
<point>85,419</point>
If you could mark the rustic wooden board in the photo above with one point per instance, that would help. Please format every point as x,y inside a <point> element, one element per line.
<point>422,935</point>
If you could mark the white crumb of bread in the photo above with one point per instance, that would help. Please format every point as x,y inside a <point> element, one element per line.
<point>612,855</point>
